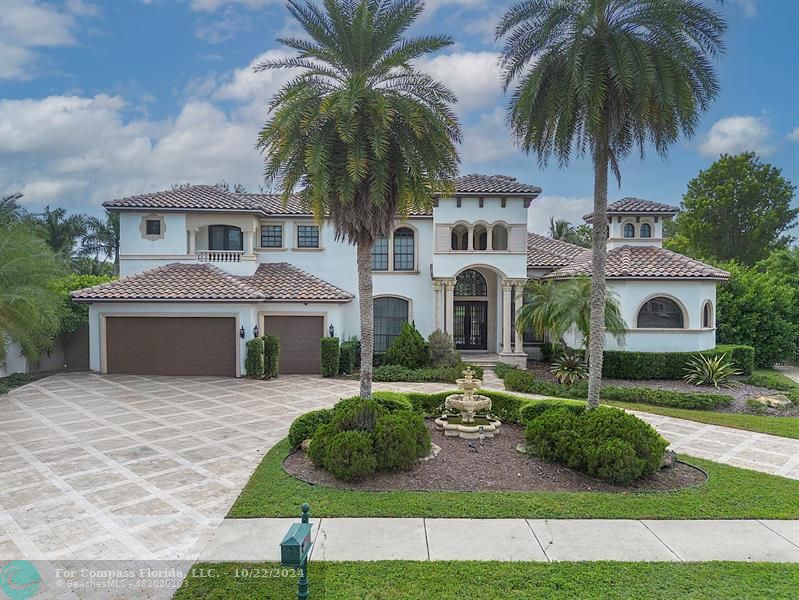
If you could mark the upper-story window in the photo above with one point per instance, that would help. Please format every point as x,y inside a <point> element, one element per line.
<point>499,237</point>
<point>271,236</point>
<point>629,230</point>
<point>403,249</point>
<point>661,313</point>
<point>707,315</point>
<point>224,237</point>
<point>153,226</point>
<point>307,236</point>
<point>460,237</point>
<point>380,255</point>
<point>480,238</point>
<point>646,230</point>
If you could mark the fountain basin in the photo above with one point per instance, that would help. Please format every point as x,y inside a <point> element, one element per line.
<point>454,426</point>
<point>468,404</point>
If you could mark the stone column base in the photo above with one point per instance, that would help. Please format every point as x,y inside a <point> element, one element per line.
<point>513,358</point>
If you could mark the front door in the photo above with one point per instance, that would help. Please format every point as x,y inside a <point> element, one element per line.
<point>471,325</point>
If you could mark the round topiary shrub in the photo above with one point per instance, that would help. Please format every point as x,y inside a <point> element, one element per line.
<point>320,441</point>
<point>392,401</point>
<point>305,426</point>
<point>356,414</point>
<point>614,461</point>
<point>421,433</point>
<point>350,456</point>
<point>395,442</point>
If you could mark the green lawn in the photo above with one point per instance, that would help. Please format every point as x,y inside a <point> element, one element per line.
<point>782,426</point>
<point>405,580</point>
<point>730,493</point>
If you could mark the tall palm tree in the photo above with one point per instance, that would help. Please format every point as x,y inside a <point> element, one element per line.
<point>553,308</point>
<point>101,240</point>
<point>560,229</point>
<point>30,311</point>
<point>10,210</point>
<point>606,77</point>
<point>60,230</point>
<point>362,133</point>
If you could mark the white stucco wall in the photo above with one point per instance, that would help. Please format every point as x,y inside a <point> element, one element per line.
<point>15,362</point>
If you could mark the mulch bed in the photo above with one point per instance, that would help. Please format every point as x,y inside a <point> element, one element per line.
<point>495,466</point>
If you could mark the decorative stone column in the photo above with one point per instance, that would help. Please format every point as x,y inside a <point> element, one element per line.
<point>248,243</point>
<point>518,347</point>
<point>192,242</point>
<point>489,237</point>
<point>470,238</point>
<point>506,324</point>
<point>438,290</point>
<point>449,297</point>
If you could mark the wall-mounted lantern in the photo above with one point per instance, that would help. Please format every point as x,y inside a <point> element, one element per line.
<point>331,330</point>
<point>241,332</point>
<point>255,331</point>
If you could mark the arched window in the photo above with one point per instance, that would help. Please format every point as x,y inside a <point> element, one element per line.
<point>460,237</point>
<point>224,237</point>
<point>480,241</point>
<point>389,315</point>
<point>471,283</point>
<point>661,313</point>
<point>380,255</point>
<point>629,230</point>
<point>707,315</point>
<point>403,249</point>
<point>499,237</point>
<point>646,230</point>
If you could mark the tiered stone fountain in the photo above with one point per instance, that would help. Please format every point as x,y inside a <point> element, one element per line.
<point>468,425</point>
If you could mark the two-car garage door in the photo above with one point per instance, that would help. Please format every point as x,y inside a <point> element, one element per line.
<point>204,345</point>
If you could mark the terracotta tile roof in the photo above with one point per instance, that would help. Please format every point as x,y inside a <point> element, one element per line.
<point>283,281</point>
<point>543,251</point>
<point>493,184</point>
<point>203,282</point>
<point>637,206</point>
<point>173,282</point>
<point>272,204</point>
<point>642,261</point>
<point>196,197</point>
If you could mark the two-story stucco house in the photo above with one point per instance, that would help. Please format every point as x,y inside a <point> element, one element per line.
<point>204,270</point>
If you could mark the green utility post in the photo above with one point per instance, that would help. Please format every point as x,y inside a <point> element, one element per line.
<point>295,548</point>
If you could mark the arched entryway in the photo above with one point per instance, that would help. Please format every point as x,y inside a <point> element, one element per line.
<point>470,330</point>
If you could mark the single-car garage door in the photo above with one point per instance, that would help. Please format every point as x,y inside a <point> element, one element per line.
<point>171,345</point>
<point>300,350</point>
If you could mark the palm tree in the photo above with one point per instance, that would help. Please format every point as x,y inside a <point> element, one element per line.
<point>606,76</point>
<point>101,240</point>
<point>363,134</point>
<point>552,308</point>
<point>61,231</point>
<point>560,230</point>
<point>30,311</point>
<point>10,210</point>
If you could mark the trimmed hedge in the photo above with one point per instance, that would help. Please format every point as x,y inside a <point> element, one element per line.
<point>271,355</point>
<point>254,360</point>
<point>620,364</point>
<point>347,356</point>
<point>517,380</point>
<point>773,380</point>
<point>330,356</point>
<point>501,369</point>
<point>400,373</point>
<point>392,401</point>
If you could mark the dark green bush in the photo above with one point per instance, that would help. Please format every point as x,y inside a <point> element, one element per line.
<point>254,360</point>
<point>606,443</point>
<point>400,373</point>
<point>317,451</point>
<point>395,442</point>
<point>356,413</point>
<point>619,364</point>
<point>305,426</point>
<point>773,380</point>
<point>330,356</point>
<point>442,350</point>
<point>350,456</point>
<point>392,401</point>
<point>535,408</point>
<point>347,356</point>
<point>421,433</point>
<point>16,380</point>
<point>518,380</point>
<point>502,369</point>
<point>408,349</point>
<point>271,356</point>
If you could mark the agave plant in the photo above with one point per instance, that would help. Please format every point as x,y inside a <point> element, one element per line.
<point>717,371</point>
<point>569,367</point>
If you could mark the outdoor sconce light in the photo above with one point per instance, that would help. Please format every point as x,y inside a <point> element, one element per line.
<point>255,331</point>
<point>294,550</point>
<point>331,330</point>
<point>241,332</point>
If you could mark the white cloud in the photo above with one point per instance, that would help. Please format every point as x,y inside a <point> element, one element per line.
<point>488,140</point>
<point>26,26</point>
<point>212,5</point>
<point>474,77</point>
<point>571,209</point>
<point>231,24</point>
<point>749,7</point>
<point>732,135</point>
<point>794,135</point>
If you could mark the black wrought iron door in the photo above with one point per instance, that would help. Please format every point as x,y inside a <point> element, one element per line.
<point>471,325</point>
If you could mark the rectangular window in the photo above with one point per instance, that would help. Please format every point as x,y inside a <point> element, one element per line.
<point>380,255</point>
<point>271,236</point>
<point>307,236</point>
<point>403,249</point>
<point>153,227</point>
<point>224,237</point>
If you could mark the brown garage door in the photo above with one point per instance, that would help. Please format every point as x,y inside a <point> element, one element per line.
<point>171,345</point>
<point>299,342</point>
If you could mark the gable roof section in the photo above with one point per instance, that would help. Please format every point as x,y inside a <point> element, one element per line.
<point>637,206</point>
<point>186,282</point>
<point>633,262</point>
<point>283,281</point>
<point>476,183</point>
<point>195,197</point>
<point>544,251</point>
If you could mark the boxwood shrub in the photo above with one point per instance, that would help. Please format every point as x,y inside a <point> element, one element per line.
<point>330,356</point>
<point>347,356</point>
<point>605,443</point>
<point>443,374</point>
<point>350,456</point>
<point>773,380</point>
<point>254,359</point>
<point>619,364</point>
<point>392,401</point>
<point>305,426</point>
<point>271,355</point>
<point>395,442</point>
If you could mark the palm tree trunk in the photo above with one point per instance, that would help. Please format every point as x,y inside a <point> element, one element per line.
<point>366,308</point>
<point>599,240</point>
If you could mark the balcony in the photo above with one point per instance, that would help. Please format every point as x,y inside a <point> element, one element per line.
<point>219,256</point>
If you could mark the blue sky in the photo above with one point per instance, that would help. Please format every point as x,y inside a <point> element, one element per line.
<point>104,99</point>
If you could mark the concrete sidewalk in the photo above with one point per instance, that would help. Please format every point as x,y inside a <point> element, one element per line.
<point>258,540</point>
